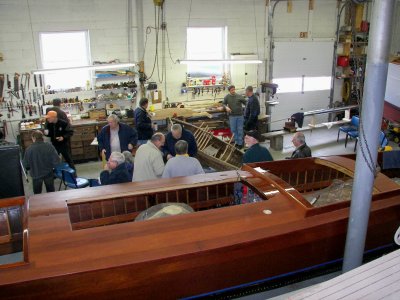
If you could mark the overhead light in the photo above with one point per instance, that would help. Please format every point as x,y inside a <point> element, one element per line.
<point>219,61</point>
<point>94,67</point>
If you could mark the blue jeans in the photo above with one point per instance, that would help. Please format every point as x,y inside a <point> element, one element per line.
<point>236,125</point>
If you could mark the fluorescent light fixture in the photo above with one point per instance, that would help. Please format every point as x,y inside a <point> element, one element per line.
<point>220,61</point>
<point>94,67</point>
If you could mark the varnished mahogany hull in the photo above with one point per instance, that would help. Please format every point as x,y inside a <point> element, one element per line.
<point>197,253</point>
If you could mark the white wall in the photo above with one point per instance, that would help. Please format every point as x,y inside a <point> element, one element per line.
<point>22,20</point>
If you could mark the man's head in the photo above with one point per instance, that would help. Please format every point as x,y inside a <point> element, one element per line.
<point>181,147</point>
<point>113,121</point>
<point>298,139</point>
<point>176,131</point>
<point>249,91</point>
<point>158,139</point>
<point>51,116</point>
<point>57,102</point>
<point>232,89</point>
<point>37,136</point>
<point>115,159</point>
<point>144,103</point>
<point>252,137</point>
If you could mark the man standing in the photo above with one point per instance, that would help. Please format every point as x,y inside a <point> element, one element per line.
<point>302,150</point>
<point>252,110</point>
<point>40,159</point>
<point>115,170</point>
<point>116,137</point>
<point>143,122</point>
<point>60,133</point>
<point>57,108</point>
<point>178,133</point>
<point>233,105</point>
<point>256,152</point>
<point>182,164</point>
<point>149,163</point>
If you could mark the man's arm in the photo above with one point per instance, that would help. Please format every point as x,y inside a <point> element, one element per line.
<point>192,151</point>
<point>68,131</point>
<point>54,156</point>
<point>141,121</point>
<point>158,165</point>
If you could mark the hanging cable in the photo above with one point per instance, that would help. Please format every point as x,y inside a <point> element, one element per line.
<point>188,23</point>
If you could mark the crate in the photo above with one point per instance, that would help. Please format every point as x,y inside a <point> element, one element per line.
<point>97,114</point>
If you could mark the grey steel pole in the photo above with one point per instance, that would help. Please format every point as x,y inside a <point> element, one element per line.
<point>371,116</point>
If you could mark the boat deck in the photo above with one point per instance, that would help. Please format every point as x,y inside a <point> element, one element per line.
<point>378,279</point>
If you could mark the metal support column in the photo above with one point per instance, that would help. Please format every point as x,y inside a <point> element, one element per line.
<point>372,110</point>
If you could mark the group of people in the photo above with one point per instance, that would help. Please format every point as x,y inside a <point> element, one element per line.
<point>157,155</point>
<point>177,148</point>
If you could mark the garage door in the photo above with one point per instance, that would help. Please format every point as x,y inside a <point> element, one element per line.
<point>303,72</point>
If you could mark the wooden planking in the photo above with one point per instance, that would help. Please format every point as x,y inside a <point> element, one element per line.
<point>378,279</point>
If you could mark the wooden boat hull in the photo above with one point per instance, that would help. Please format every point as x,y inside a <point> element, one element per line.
<point>215,153</point>
<point>190,254</point>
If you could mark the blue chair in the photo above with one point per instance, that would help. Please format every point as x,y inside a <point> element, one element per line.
<point>353,126</point>
<point>383,141</point>
<point>58,173</point>
<point>353,134</point>
<point>73,182</point>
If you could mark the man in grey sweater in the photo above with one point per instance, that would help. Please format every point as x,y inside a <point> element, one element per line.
<point>182,164</point>
<point>40,159</point>
<point>233,104</point>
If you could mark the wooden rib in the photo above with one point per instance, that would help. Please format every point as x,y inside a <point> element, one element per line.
<point>226,148</point>
<point>206,141</point>
<point>203,136</point>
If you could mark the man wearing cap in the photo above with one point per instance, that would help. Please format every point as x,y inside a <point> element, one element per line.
<point>60,133</point>
<point>61,115</point>
<point>252,110</point>
<point>256,152</point>
<point>233,105</point>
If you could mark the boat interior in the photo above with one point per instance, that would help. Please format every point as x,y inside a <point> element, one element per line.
<point>315,185</point>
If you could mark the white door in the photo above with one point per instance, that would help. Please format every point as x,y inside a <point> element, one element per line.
<point>303,72</point>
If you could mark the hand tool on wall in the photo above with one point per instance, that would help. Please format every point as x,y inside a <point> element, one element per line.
<point>22,110</point>
<point>35,80</point>
<point>30,110</point>
<point>1,87</point>
<point>8,82</point>
<point>23,91</point>
<point>16,85</point>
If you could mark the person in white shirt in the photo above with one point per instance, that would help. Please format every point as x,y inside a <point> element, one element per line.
<point>149,163</point>
<point>182,164</point>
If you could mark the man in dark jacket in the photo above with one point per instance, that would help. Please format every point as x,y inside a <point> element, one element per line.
<point>302,150</point>
<point>116,137</point>
<point>178,133</point>
<point>40,159</point>
<point>56,107</point>
<point>143,122</point>
<point>252,110</point>
<point>115,170</point>
<point>60,133</point>
<point>256,152</point>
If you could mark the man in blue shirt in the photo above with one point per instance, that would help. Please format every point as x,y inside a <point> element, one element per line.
<point>252,110</point>
<point>255,153</point>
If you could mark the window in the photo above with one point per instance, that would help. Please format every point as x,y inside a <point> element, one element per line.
<point>65,50</point>
<point>300,84</point>
<point>206,43</point>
